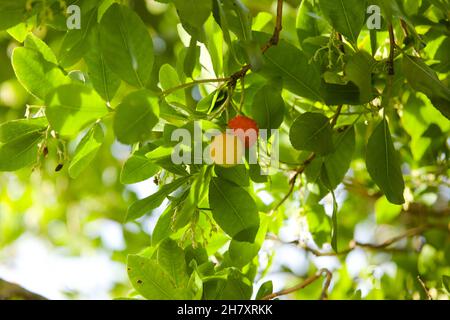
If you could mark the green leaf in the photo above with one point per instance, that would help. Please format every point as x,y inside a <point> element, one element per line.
<point>193,13</point>
<point>310,25</point>
<point>171,258</point>
<point>195,286</point>
<point>126,45</point>
<point>237,17</point>
<point>358,69</point>
<point>20,152</point>
<point>168,77</point>
<point>268,108</point>
<point>138,168</point>
<point>72,107</point>
<point>291,65</point>
<point>86,150</point>
<point>191,58</point>
<point>337,94</point>
<point>337,163</point>
<point>346,16</point>
<point>236,287</point>
<point>383,164</point>
<point>424,79</point>
<point>446,283</point>
<point>104,81</point>
<point>12,12</point>
<point>265,289</point>
<point>151,280</point>
<point>242,253</point>
<point>312,132</point>
<point>234,210</point>
<point>35,73</point>
<point>16,128</point>
<point>76,42</point>
<point>136,116</point>
<point>237,174</point>
<point>143,206</point>
<point>33,42</point>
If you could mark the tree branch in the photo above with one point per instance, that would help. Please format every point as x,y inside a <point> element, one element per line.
<point>304,165</point>
<point>273,41</point>
<point>425,288</point>
<point>192,83</point>
<point>278,27</point>
<point>11,291</point>
<point>355,244</point>
<point>304,284</point>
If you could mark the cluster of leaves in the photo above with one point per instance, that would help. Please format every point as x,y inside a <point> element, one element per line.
<point>341,95</point>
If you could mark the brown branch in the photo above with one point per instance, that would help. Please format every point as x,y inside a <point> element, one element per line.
<point>11,291</point>
<point>336,115</point>
<point>408,233</point>
<point>278,27</point>
<point>425,288</point>
<point>273,41</point>
<point>354,244</point>
<point>304,284</point>
<point>192,83</point>
<point>304,165</point>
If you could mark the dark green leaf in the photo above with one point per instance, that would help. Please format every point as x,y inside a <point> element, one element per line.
<point>268,108</point>
<point>234,210</point>
<point>237,174</point>
<point>424,79</point>
<point>312,132</point>
<point>105,82</point>
<point>337,163</point>
<point>126,45</point>
<point>20,152</point>
<point>136,116</point>
<point>383,164</point>
<point>265,289</point>
<point>12,12</point>
<point>291,65</point>
<point>346,16</point>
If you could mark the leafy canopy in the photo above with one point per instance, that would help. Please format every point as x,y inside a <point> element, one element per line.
<point>362,116</point>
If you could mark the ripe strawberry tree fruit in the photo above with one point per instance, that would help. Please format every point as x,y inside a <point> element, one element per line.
<point>246,129</point>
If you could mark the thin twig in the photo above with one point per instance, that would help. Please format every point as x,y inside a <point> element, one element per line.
<point>408,233</point>
<point>304,284</point>
<point>192,83</point>
<point>425,288</point>
<point>336,115</point>
<point>354,244</point>
<point>273,41</point>
<point>278,27</point>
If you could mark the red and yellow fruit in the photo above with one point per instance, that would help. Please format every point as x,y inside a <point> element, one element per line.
<point>246,129</point>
